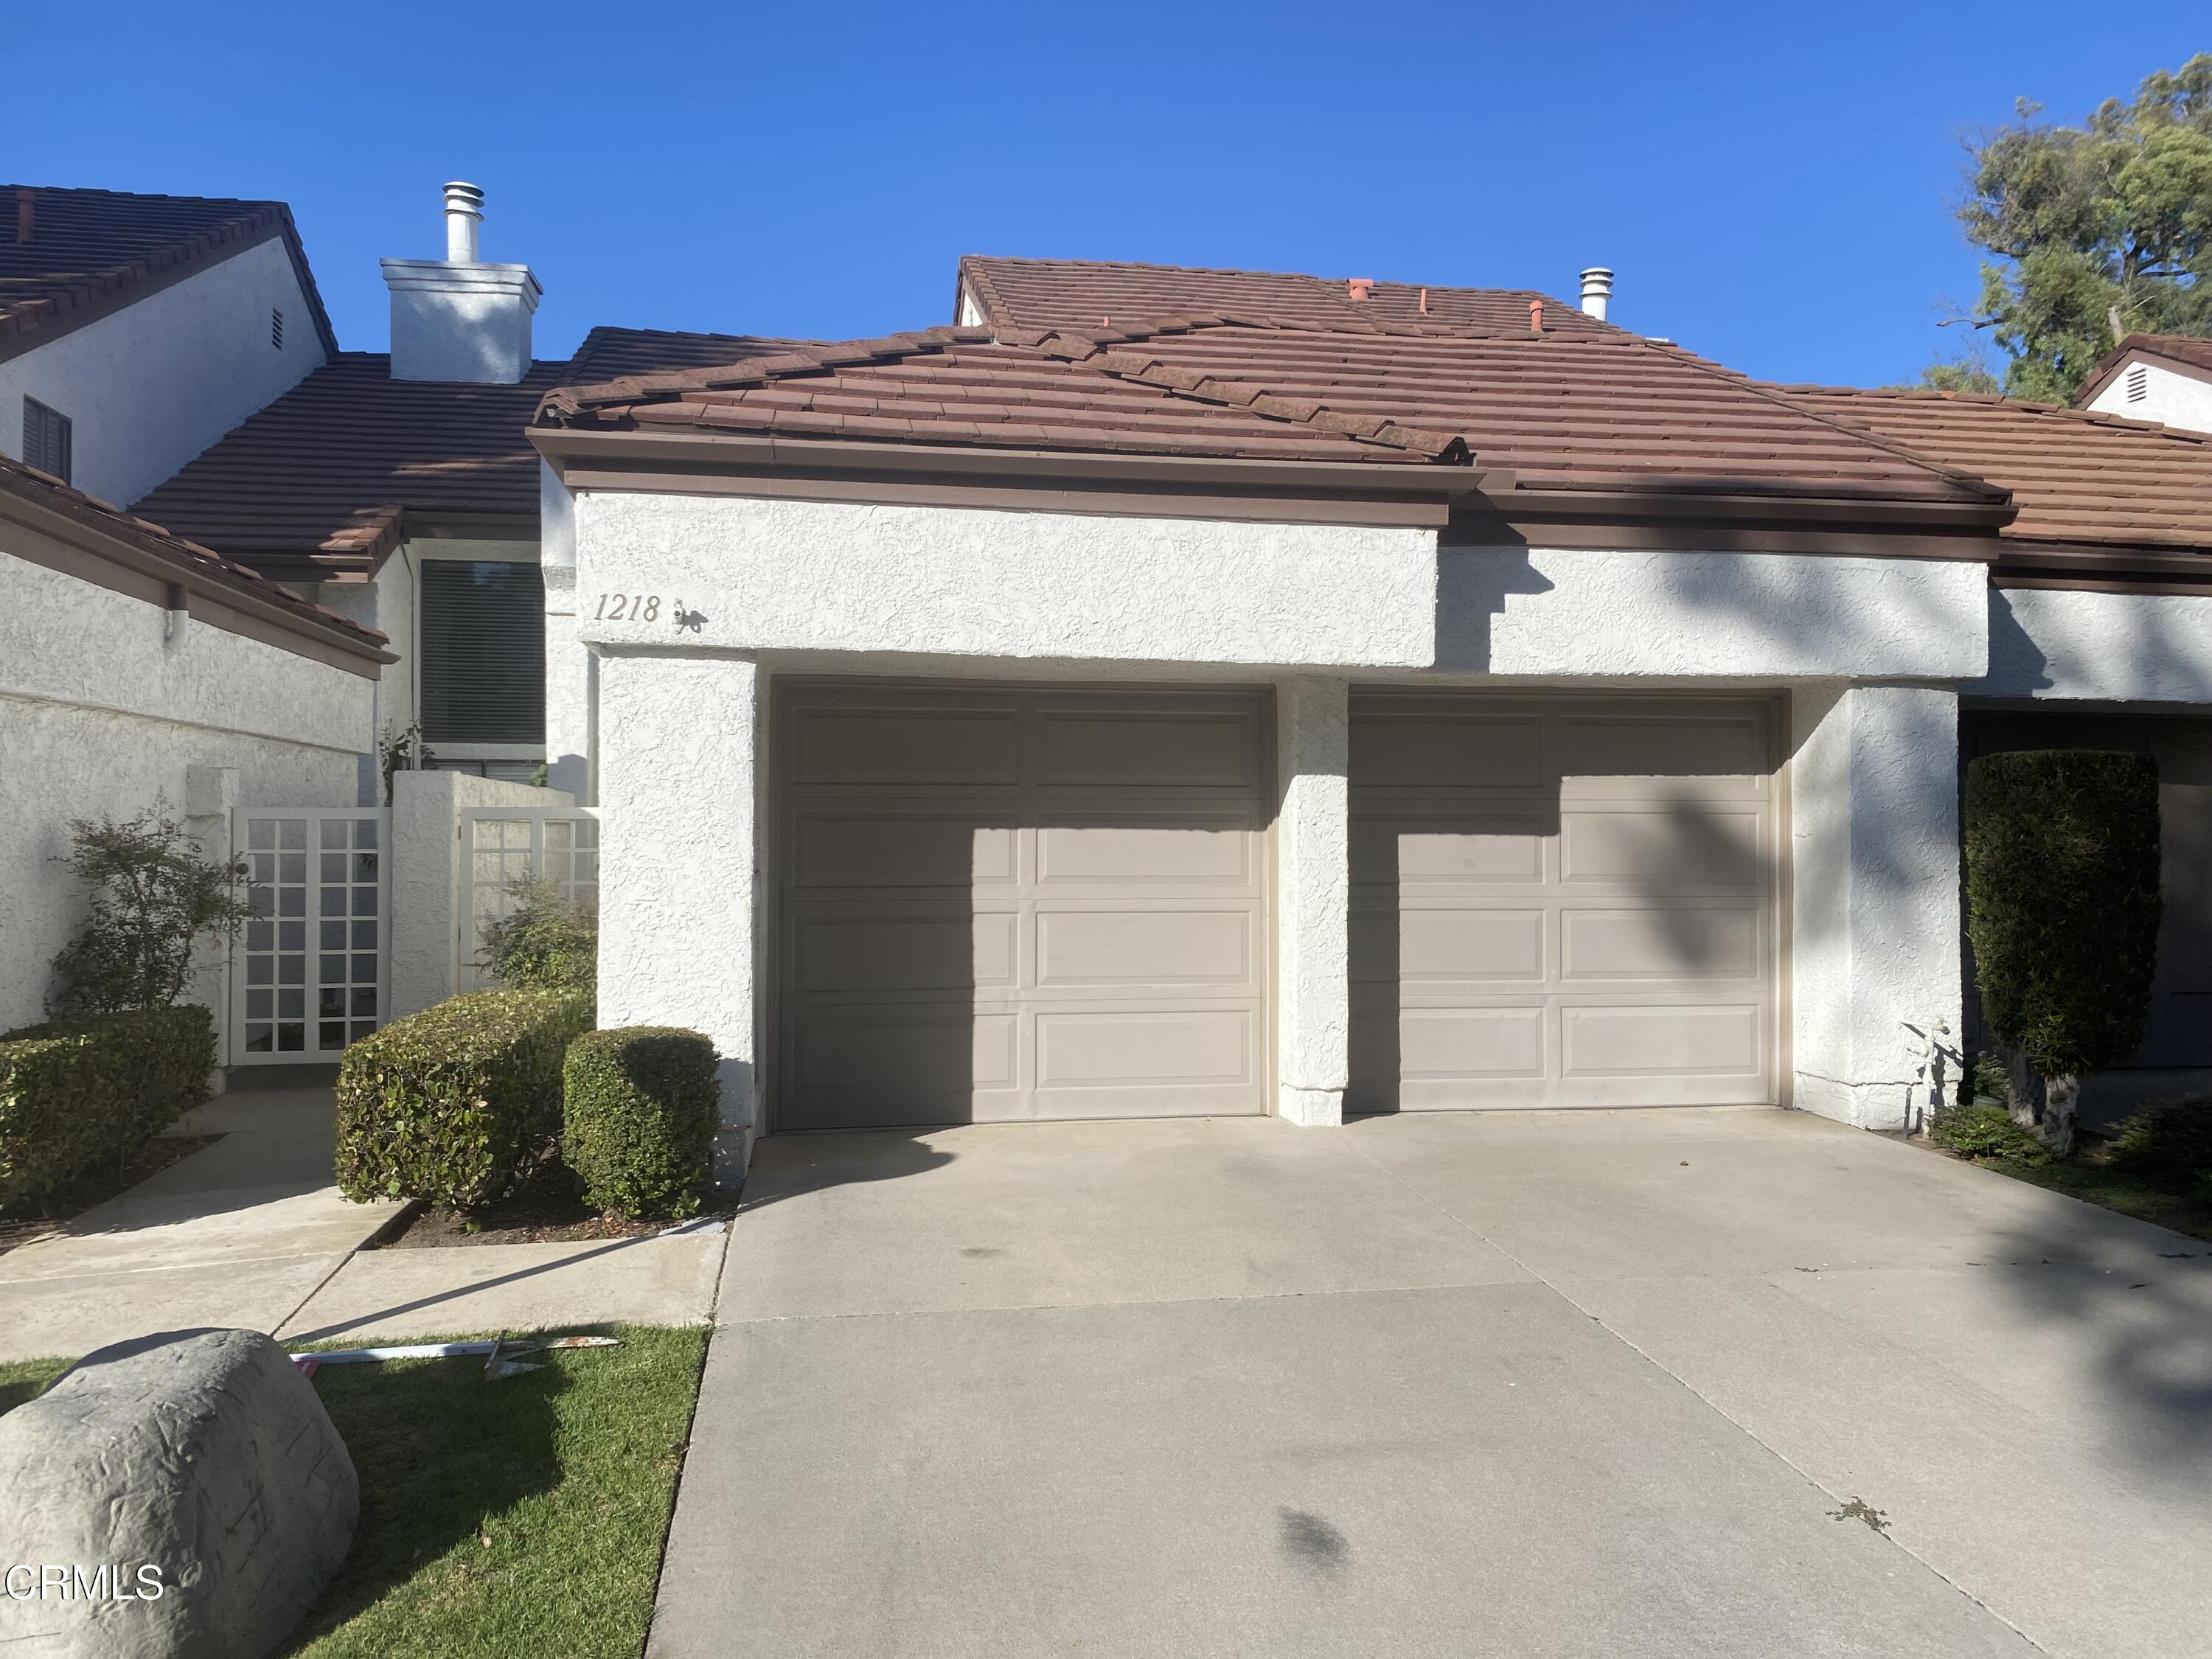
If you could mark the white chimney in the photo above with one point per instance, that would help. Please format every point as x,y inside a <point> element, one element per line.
<point>458,319</point>
<point>1597,291</point>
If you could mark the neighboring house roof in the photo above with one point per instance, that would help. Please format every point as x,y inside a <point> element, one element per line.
<point>99,541</point>
<point>1028,390</point>
<point>2184,352</point>
<point>1102,293</point>
<point>2100,497</point>
<point>325,481</point>
<point>92,251</point>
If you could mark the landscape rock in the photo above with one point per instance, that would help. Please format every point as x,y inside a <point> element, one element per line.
<point>179,1496</point>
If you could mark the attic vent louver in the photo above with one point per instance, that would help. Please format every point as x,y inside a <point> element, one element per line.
<point>2138,384</point>
<point>276,328</point>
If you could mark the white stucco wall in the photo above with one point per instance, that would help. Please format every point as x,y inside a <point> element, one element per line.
<point>1313,899</point>
<point>570,668</point>
<point>1875,885</point>
<point>679,884</point>
<point>149,386</point>
<point>2169,398</point>
<point>1585,612</point>
<point>2061,643</point>
<point>100,713</point>
<point>427,875</point>
<point>813,576</point>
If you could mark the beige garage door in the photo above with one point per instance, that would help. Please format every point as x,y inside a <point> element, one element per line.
<point>1002,905</point>
<point>1562,903</point>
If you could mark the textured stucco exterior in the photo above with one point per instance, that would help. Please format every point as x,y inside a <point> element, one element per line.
<point>105,709</point>
<point>2059,644</point>
<point>679,886</point>
<point>1594,613</point>
<point>570,669</point>
<point>1313,903</point>
<point>828,577</point>
<point>1875,893</point>
<point>2169,397</point>
<point>428,873</point>
<point>151,386</point>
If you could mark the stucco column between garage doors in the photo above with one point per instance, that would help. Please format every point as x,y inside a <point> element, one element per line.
<point>1313,899</point>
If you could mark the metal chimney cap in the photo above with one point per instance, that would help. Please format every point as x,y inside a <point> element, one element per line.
<point>462,197</point>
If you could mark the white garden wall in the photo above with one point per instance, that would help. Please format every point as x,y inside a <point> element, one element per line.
<point>2063,643</point>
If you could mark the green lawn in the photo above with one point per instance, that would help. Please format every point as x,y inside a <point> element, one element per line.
<point>522,1519</point>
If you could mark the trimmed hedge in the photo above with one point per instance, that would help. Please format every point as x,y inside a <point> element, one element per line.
<point>638,1118</point>
<point>78,1090</point>
<point>2168,1145</point>
<point>2063,902</point>
<point>457,1103</point>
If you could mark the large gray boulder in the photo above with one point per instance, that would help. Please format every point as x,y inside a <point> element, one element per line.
<point>201,1455</point>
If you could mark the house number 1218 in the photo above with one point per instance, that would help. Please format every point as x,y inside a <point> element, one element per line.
<point>634,607</point>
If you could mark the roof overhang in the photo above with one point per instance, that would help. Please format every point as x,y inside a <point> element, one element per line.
<point>2127,354</point>
<point>1036,481</point>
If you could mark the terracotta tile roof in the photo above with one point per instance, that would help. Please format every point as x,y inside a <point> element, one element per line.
<point>322,481</point>
<point>2076,477</point>
<point>1099,293</point>
<point>2182,349</point>
<point>1086,391</point>
<point>90,250</point>
<point>1564,411</point>
<point>19,482</point>
<point>607,353</point>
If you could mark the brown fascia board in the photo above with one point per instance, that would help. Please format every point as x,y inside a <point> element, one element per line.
<point>2121,360</point>
<point>2103,568</point>
<point>1357,492</point>
<point>60,542</point>
<point>50,323</point>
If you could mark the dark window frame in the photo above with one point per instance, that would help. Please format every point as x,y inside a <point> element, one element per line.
<point>480,669</point>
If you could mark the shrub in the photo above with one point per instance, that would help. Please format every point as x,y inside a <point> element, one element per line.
<point>2168,1145</point>
<point>153,896</point>
<point>78,1090</point>
<point>638,1118</point>
<point>548,942</point>
<point>2063,902</point>
<point>457,1103</point>
<point>1986,1132</point>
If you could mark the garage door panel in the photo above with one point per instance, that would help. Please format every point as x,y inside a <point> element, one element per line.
<point>1581,912</point>
<point>1213,848</point>
<point>1661,942</point>
<point>1145,946</point>
<point>1660,1039</point>
<point>876,746</point>
<point>1001,905</point>
<point>1114,748</point>
<point>878,848</point>
<point>1427,749</point>
<point>1681,845</point>
<point>838,953</point>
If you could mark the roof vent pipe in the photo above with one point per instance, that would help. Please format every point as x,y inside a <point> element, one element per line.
<point>464,215</point>
<point>1597,291</point>
<point>1358,288</point>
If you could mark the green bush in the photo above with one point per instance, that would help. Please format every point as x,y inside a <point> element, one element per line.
<point>2063,902</point>
<point>152,898</point>
<point>1986,1132</point>
<point>457,1103</point>
<point>79,1090</point>
<point>2168,1145</point>
<point>548,942</point>
<point>638,1118</point>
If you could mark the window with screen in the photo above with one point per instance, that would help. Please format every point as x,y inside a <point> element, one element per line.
<point>45,438</point>
<point>483,660</point>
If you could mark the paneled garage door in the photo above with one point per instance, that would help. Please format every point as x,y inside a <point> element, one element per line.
<point>1000,905</point>
<point>1562,901</point>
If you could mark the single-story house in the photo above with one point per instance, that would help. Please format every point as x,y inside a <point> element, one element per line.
<point>1176,691</point>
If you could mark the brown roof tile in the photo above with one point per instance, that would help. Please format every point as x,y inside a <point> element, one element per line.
<point>90,250</point>
<point>26,483</point>
<point>2183,348</point>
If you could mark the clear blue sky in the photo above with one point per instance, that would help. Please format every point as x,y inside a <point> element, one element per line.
<point>1771,182</point>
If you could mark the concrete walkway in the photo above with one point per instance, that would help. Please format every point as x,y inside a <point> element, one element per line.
<point>1690,1382</point>
<point>250,1232</point>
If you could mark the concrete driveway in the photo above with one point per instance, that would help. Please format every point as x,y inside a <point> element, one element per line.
<point>1727,1381</point>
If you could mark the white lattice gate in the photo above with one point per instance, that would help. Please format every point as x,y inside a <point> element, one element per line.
<point>501,844</point>
<point>307,972</point>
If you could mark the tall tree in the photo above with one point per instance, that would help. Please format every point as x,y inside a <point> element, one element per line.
<point>2097,231</point>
